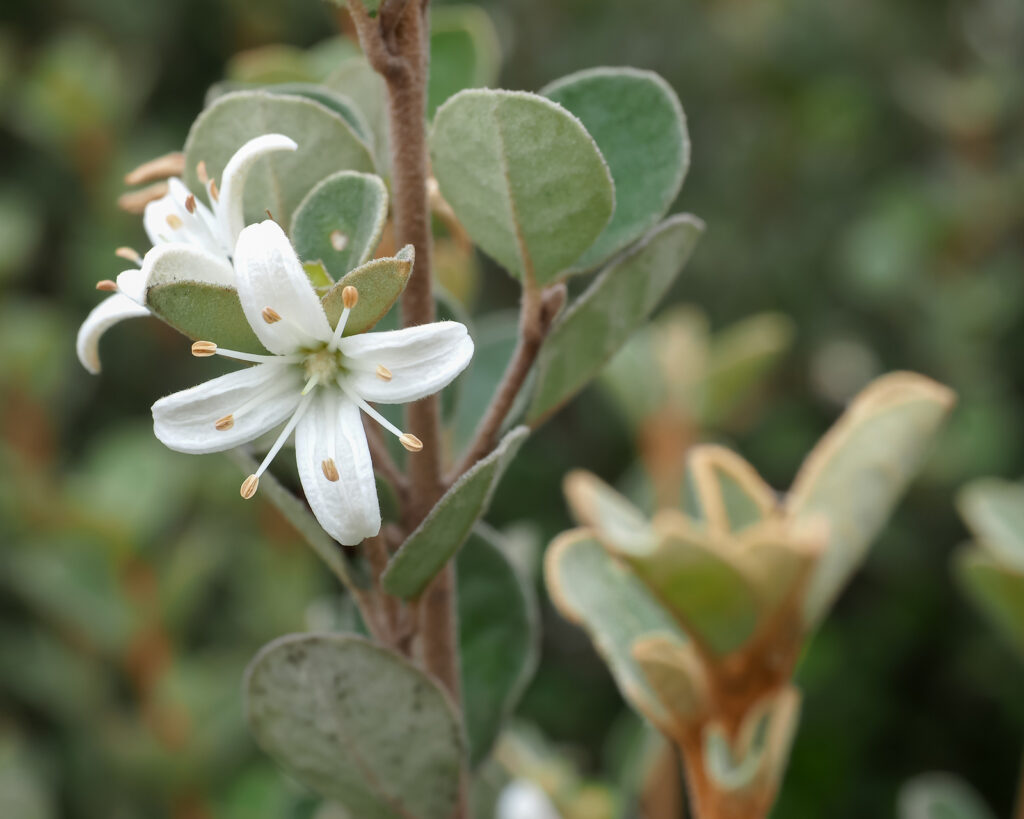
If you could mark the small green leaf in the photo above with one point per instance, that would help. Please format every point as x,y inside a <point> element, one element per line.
<point>379,282</point>
<point>340,221</point>
<point>356,80</point>
<point>941,796</point>
<point>726,491</point>
<point>615,521</point>
<point>997,590</point>
<point>524,177</point>
<point>602,319</point>
<point>591,588</point>
<point>464,52</point>
<point>638,124</point>
<point>327,143</point>
<point>497,636</point>
<point>436,540</point>
<point>358,724</point>
<point>205,312</point>
<point>740,358</point>
<point>706,590</point>
<point>859,470</point>
<point>994,510</point>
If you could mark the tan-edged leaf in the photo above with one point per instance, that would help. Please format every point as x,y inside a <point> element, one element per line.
<point>997,590</point>
<point>994,510</point>
<point>613,518</point>
<point>675,673</point>
<point>728,493</point>
<point>858,471</point>
<point>380,282</point>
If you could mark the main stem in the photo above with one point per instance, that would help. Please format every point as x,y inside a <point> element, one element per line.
<point>396,44</point>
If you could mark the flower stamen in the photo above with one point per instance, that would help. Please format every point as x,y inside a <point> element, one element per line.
<point>270,315</point>
<point>349,299</point>
<point>129,254</point>
<point>383,373</point>
<point>107,285</point>
<point>174,221</point>
<point>407,439</point>
<point>190,203</point>
<point>410,442</point>
<point>330,470</point>
<point>249,486</point>
<point>203,349</point>
<point>225,423</point>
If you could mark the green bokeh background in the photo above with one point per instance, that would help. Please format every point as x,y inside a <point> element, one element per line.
<point>860,165</point>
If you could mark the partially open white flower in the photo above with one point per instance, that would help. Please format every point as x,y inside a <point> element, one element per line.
<point>316,382</point>
<point>180,219</point>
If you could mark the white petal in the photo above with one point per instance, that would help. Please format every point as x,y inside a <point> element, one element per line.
<point>132,283</point>
<point>259,397</point>
<point>347,508</point>
<point>522,799</point>
<point>232,189</point>
<point>168,220</point>
<point>269,274</point>
<point>422,360</point>
<point>103,316</point>
<point>171,263</point>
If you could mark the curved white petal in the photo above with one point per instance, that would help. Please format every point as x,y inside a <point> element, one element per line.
<point>347,508</point>
<point>104,315</point>
<point>422,360</point>
<point>229,205</point>
<point>132,283</point>
<point>168,220</point>
<point>269,274</point>
<point>259,398</point>
<point>171,263</point>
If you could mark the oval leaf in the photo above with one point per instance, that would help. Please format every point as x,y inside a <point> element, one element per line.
<point>601,320</point>
<point>464,52</point>
<point>436,540</point>
<point>858,471</point>
<point>356,723</point>
<point>591,588</point>
<point>941,796</point>
<point>327,143</point>
<point>205,312</point>
<point>379,283</point>
<point>524,178</point>
<point>340,221</point>
<point>638,124</point>
<point>497,637</point>
<point>997,590</point>
<point>994,510</point>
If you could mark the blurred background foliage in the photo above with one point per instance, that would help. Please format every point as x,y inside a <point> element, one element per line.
<point>860,167</point>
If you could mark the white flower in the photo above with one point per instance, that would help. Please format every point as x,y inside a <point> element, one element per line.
<point>315,382</point>
<point>180,220</point>
<point>522,799</point>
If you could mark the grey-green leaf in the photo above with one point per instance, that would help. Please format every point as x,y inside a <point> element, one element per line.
<point>379,282</point>
<point>594,590</point>
<point>464,52</point>
<point>356,80</point>
<point>497,636</point>
<point>997,590</point>
<point>601,320</point>
<point>358,724</point>
<point>445,529</point>
<point>327,143</point>
<point>994,510</point>
<point>638,123</point>
<point>524,177</point>
<point>941,796</point>
<point>859,470</point>
<point>340,221</point>
<point>207,312</point>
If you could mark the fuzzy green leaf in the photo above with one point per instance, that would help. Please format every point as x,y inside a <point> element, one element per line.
<point>206,312</point>
<point>601,320</point>
<point>464,52</point>
<point>524,178</point>
<point>356,80</point>
<point>327,143</point>
<point>593,589</point>
<point>358,724</point>
<point>498,634</point>
<point>941,796</point>
<point>994,510</point>
<point>859,470</point>
<point>436,540</point>
<point>340,221</point>
<point>379,282</point>
<point>636,120</point>
<point>997,590</point>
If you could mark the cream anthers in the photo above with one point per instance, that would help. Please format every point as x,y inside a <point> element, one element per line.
<point>315,381</point>
<point>178,219</point>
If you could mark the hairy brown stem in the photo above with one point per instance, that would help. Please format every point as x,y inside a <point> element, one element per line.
<point>538,311</point>
<point>397,47</point>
